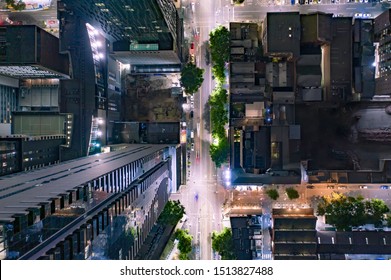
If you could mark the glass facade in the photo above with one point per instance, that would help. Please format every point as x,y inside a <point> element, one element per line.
<point>8,103</point>
<point>9,159</point>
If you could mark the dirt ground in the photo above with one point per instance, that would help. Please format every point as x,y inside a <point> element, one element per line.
<point>149,99</point>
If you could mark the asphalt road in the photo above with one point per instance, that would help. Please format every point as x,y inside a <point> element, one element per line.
<point>202,202</point>
<point>202,196</point>
<point>255,10</point>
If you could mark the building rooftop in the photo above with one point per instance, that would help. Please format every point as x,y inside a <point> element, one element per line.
<point>283,33</point>
<point>148,21</point>
<point>30,52</point>
<point>354,242</point>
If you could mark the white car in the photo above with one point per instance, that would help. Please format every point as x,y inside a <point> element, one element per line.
<point>192,147</point>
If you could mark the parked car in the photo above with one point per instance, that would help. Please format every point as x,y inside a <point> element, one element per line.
<point>363,187</point>
<point>330,187</point>
<point>191,114</point>
<point>310,187</point>
<point>384,187</point>
<point>342,187</point>
<point>192,146</point>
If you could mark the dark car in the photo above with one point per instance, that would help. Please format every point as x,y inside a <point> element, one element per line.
<point>191,114</point>
<point>384,187</point>
<point>310,187</point>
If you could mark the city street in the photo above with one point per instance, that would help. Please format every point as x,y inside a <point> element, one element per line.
<point>203,196</point>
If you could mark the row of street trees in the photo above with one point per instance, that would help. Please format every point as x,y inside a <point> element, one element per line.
<point>292,193</point>
<point>345,212</point>
<point>219,52</point>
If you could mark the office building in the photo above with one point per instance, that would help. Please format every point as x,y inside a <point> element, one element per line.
<point>382,27</point>
<point>147,35</point>
<point>97,207</point>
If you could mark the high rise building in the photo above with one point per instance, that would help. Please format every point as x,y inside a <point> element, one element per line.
<point>145,34</point>
<point>30,72</point>
<point>103,38</point>
<point>382,30</point>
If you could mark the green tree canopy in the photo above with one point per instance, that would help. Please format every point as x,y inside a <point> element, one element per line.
<point>191,78</point>
<point>219,118</point>
<point>184,244</point>
<point>17,5</point>
<point>20,6</point>
<point>273,194</point>
<point>173,211</point>
<point>344,212</point>
<point>218,72</point>
<point>219,45</point>
<point>218,112</point>
<point>375,210</point>
<point>222,244</point>
<point>388,219</point>
<point>292,193</point>
<point>219,153</point>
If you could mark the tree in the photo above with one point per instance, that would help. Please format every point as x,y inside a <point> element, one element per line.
<point>219,45</point>
<point>388,219</point>
<point>238,2</point>
<point>292,193</point>
<point>16,6</point>
<point>184,244</point>
<point>218,72</point>
<point>222,244</point>
<point>219,152</point>
<point>344,212</point>
<point>375,211</point>
<point>191,78</point>
<point>173,211</point>
<point>20,6</point>
<point>219,118</point>
<point>218,112</point>
<point>273,194</point>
